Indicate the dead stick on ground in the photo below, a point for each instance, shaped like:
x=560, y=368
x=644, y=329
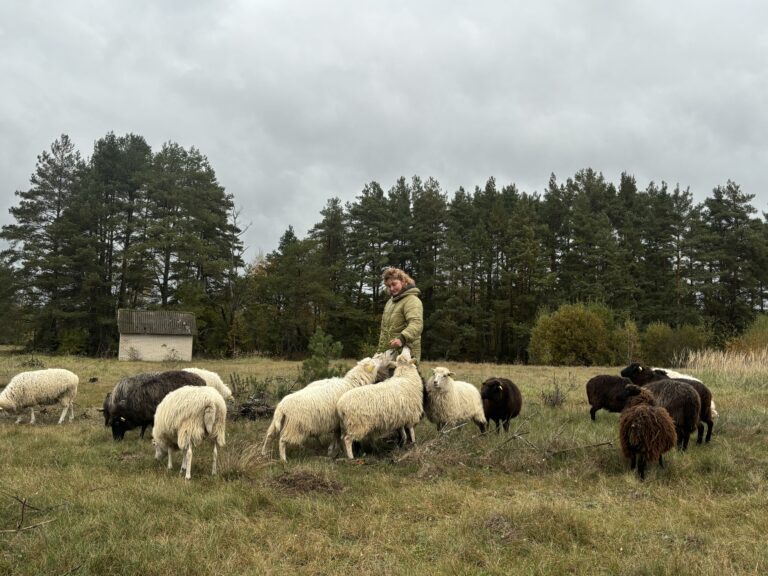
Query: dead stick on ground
x=554, y=452
x=27, y=527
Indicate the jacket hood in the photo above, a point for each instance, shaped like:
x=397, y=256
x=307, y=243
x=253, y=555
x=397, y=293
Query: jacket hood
x=407, y=291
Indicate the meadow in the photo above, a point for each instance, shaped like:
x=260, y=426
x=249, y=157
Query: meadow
x=554, y=496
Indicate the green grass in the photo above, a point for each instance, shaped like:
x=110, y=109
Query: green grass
x=551, y=497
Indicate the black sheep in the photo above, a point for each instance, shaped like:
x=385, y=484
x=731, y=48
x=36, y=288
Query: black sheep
x=502, y=401
x=604, y=392
x=646, y=431
x=683, y=404
x=135, y=398
x=642, y=375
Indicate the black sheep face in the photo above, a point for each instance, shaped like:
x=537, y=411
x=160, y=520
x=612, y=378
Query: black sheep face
x=492, y=390
x=121, y=425
x=629, y=391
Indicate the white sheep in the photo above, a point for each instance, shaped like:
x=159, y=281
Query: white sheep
x=311, y=411
x=184, y=418
x=452, y=401
x=674, y=375
x=395, y=404
x=213, y=380
x=40, y=388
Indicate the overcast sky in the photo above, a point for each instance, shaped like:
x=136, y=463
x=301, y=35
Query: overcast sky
x=296, y=102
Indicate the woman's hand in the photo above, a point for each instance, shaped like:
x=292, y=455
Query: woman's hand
x=395, y=343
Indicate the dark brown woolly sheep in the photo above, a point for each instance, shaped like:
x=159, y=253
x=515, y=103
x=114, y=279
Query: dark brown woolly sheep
x=642, y=375
x=502, y=401
x=683, y=404
x=646, y=431
x=603, y=392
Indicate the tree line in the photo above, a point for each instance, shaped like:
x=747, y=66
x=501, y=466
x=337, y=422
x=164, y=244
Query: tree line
x=133, y=228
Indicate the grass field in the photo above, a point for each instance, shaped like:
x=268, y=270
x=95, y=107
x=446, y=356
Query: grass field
x=554, y=496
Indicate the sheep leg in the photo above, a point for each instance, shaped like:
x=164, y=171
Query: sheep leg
x=699, y=432
x=481, y=425
x=64, y=413
x=189, y=462
x=215, y=459
x=412, y=434
x=592, y=412
x=71, y=411
x=661, y=460
x=143, y=429
x=348, y=446
x=633, y=462
x=281, y=448
x=710, y=425
x=32, y=418
x=506, y=425
x=404, y=436
x=641, y=467
x=18, y=420
x=498, y=426
x=170, y=459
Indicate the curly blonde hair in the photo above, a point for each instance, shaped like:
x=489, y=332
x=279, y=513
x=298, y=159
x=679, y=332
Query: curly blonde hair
x=397, y=274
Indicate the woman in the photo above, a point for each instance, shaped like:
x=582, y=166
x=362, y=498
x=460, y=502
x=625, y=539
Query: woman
x=403, y=317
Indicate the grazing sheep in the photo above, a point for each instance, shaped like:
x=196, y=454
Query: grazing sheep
x=502, y=401
x=40, y=388
x=396, y=403
x=453, y=401
x=311, y=411
x=604, y=392
x=642, y=375
x=683, y=404
x=646, y=431
x=214, y=381
x=135, y=398
x=184, y=418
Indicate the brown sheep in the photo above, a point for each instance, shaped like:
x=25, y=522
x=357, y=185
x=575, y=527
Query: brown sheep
x=603, y=393
x=502, y=401
x=646, y=431
x=642, y=375
x=683, y=404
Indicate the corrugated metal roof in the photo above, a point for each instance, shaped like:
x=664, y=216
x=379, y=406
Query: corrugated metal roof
x=156, y=322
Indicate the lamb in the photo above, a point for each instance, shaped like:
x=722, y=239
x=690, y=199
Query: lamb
x=184, y=418
x=641, y=375
x=135, y=398
x=311, y=411
x=453, y=401
x=502, y=401
x=41, y=388
x=396, y=403
x=604, y=392
x=214, y=381
x=646, y=431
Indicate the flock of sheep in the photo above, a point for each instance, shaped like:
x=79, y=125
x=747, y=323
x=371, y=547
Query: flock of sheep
x=659, y=408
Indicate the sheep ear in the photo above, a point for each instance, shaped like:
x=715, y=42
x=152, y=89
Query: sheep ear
x=451, y=374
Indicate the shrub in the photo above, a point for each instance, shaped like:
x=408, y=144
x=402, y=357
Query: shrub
x=322, y=349
x=754, y=338
x=572, y=335
x=665, y=346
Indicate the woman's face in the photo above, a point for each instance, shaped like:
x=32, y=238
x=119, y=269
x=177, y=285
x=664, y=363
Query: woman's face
x=394, y=285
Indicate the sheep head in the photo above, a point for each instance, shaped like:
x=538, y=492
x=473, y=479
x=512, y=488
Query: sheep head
x=634, y=395
x=440, y=378
x=492, y=389
x=638, y=373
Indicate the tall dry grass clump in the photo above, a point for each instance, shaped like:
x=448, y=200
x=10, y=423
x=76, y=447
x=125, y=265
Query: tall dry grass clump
x=747, y=368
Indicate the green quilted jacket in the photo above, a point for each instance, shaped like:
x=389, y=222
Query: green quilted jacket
x=403, y=318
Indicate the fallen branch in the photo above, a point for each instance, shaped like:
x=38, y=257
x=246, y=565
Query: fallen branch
x=27, y=527
x=555, y=452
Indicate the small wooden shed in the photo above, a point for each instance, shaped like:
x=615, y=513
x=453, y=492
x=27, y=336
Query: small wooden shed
x=155, y=335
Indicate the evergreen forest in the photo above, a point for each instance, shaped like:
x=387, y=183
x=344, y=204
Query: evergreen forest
x=500, y=269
